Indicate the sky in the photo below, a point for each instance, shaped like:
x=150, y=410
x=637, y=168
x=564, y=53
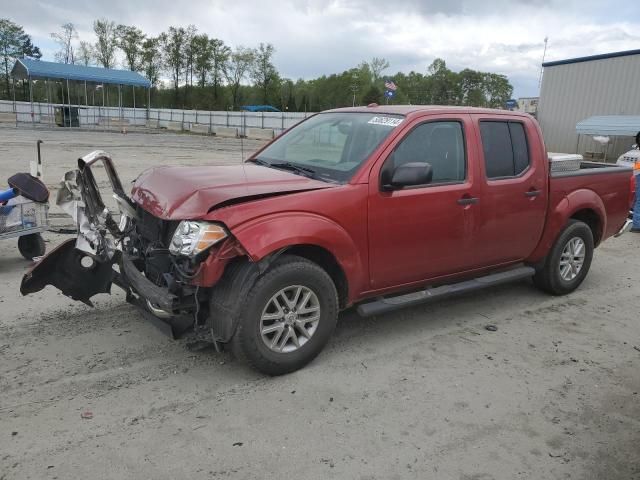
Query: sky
x=317, y=37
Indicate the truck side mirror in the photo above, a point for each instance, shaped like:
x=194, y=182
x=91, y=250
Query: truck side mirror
x=410, y=175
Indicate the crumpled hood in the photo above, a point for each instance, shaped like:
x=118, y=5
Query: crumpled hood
x=181, y=192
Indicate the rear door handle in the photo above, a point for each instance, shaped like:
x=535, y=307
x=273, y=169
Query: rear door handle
x=467, y=201
x=532, y=193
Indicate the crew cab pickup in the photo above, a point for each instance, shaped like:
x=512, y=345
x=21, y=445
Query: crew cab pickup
x=379, y=207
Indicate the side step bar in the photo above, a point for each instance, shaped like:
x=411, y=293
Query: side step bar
x=389, y=304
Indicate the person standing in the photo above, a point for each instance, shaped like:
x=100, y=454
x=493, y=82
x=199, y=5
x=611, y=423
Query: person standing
x=636, y=207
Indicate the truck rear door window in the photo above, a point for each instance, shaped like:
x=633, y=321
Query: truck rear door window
x=505, y=149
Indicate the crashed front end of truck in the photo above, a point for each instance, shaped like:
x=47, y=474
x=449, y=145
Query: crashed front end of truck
x=164, y=266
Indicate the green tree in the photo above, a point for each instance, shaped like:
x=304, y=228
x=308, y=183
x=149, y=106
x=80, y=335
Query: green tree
x=471, y=88
x=202, y=57
x=130, y=40
x=373, y=95
x=287, y=95
x=220, y=53
x=65, y=38
x=237, y=68
x=85, y=53
x=151, y=60
x=441, y=83
x=14, y=43
x=263, y=71
x=377, y=66
x=173, y=45
x=498, y=90
x=105, y=47
x=189, y=52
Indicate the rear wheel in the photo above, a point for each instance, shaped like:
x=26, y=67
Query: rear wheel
x=569, y=261
x=31, y=246
x=288, y=316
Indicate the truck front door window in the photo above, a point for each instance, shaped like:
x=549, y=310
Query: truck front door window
x=440, y=144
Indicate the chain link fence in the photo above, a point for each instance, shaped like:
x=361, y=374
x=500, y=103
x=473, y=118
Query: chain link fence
x=228, y=123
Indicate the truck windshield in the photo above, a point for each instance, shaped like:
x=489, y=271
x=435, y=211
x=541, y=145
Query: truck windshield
x=329, y=146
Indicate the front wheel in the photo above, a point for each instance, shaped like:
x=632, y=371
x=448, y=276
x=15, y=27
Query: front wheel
x=288, y=316
x=569, y=260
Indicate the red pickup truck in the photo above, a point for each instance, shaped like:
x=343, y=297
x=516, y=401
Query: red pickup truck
x=380, y=207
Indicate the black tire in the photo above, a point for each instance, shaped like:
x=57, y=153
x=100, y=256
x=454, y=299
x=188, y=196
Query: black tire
x=286, y=271
x=31, y=246
x=548, y=277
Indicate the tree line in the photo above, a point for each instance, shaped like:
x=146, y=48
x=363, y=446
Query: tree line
x=193, y=70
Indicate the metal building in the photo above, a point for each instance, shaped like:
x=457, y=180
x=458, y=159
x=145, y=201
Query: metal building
x=574, y=90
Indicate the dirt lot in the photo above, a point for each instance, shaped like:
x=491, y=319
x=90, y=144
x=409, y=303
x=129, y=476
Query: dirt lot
x=424, y=393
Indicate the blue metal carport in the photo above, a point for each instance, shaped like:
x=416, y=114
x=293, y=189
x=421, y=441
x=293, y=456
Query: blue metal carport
x=29, y=69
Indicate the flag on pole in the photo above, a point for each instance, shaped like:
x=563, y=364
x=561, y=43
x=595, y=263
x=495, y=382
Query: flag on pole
x=389, y=85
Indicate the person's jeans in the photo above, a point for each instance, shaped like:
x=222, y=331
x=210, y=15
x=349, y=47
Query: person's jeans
x=636, y=206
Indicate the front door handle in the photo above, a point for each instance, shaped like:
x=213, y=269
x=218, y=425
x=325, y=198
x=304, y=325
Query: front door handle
x=467, y=200
x=532, y=193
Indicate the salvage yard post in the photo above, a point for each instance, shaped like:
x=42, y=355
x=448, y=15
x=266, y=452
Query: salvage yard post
x=69, y=103
x=13, y=82
x=103, y=123
x=49, y=99
x=31, y=100
x=120, y=104
x=133, y=87
x=86, y=102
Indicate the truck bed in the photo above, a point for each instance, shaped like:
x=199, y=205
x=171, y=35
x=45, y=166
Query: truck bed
x=610, y=182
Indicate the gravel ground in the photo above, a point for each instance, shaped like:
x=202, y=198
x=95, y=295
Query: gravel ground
x=427, y=392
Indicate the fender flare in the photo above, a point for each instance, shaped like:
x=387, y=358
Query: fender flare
x=267, y=235
x=581, y=199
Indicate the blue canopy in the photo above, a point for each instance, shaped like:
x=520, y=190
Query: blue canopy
x=259, y=108
x=28, y=68
x=623, y=125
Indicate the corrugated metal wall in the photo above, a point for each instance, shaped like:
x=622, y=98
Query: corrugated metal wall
x=575, y=91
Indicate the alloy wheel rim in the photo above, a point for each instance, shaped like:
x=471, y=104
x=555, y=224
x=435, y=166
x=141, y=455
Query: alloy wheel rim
x=572, y=259
x=290, y=318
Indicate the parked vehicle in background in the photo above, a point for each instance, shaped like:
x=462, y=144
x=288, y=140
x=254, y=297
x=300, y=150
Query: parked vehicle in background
x=382, y=207
x=631, y=158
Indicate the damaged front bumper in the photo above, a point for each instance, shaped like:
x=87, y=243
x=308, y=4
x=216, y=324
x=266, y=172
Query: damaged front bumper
x=83, y=267
x=88, y=265
x=78, y=277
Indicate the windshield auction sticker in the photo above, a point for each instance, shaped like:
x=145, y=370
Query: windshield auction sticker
x=386, y=121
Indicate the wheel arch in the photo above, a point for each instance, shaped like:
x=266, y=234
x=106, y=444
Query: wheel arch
x=328, y=262
x=311, y=236
x=582, y=204
x=593, y=221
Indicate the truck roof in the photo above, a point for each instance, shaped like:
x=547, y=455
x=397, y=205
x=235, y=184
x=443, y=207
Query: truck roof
x=411, y=110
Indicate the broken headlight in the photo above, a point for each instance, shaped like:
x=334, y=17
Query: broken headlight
x=192, y=238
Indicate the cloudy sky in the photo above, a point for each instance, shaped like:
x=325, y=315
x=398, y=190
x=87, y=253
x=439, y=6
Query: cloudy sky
x=315, y=37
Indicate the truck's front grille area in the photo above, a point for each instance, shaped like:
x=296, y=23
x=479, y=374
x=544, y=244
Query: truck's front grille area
x=155, y=230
